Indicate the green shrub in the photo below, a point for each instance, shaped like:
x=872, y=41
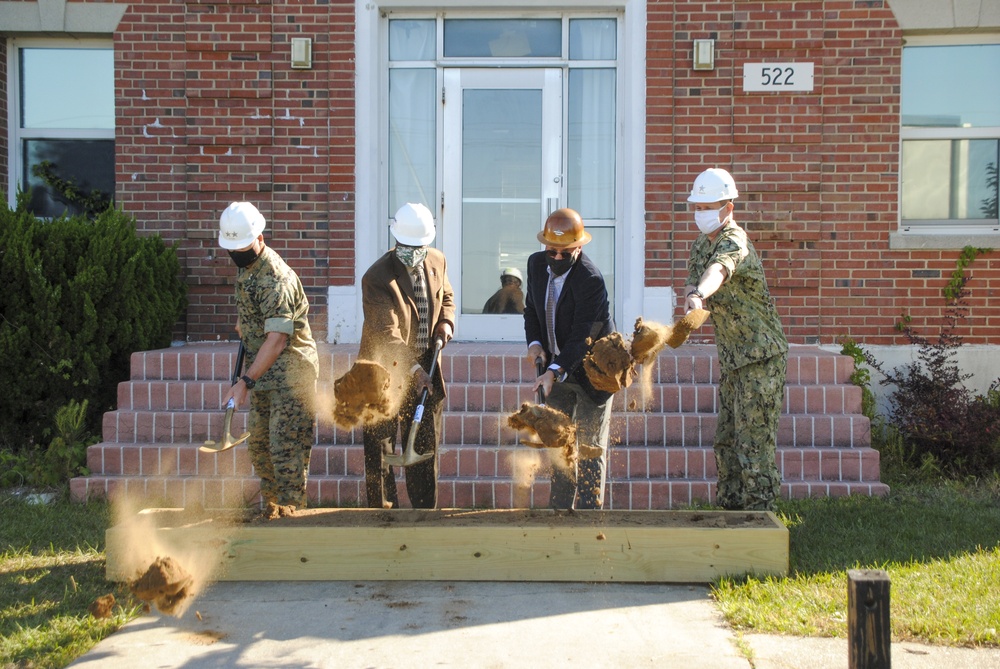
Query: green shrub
x=944, y=428
x=79, y=297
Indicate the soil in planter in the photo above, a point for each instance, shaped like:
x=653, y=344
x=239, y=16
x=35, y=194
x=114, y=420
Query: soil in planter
x=598, y=519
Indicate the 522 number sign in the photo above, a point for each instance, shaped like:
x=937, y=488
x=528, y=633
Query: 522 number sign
x=777, y=77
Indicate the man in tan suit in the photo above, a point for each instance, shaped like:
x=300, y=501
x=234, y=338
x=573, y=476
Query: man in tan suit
x=408, y=303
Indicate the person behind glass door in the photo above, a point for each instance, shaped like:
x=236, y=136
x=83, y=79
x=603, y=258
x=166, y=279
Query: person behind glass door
x=509, y=299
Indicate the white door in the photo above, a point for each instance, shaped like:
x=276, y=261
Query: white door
x=502, y=168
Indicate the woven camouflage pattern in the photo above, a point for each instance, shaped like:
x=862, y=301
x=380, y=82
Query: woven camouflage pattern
x=747, y=327
x=750, y=399
x=280, y=444
x=270, y=298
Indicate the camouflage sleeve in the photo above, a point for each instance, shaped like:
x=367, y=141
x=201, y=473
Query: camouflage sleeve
x=278, y=307
x=729, y=251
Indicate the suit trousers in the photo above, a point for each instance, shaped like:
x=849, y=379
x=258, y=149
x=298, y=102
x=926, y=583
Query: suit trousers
x=582, y=485
x=380, y=438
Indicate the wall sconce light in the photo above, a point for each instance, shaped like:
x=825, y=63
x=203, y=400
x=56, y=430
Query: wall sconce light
x=704, y=54
x=302, y=56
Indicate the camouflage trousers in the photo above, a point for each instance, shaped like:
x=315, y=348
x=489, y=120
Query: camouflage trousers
x=750, y=401
x=281, y=423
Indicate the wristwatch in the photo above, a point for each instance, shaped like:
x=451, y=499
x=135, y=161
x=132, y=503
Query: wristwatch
x=247, y=380
x=696, y=293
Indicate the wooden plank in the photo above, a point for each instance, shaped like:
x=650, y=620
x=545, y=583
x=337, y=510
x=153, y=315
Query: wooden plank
x=637, y=547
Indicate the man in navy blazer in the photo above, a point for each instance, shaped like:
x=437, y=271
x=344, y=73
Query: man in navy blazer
x=563, y=275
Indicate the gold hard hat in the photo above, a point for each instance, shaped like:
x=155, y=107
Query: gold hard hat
x=563, y=228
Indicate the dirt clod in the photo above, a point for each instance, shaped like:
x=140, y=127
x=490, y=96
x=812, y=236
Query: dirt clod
x=551, y=426
x=166, y=584
x=362, y=395
x=648, y=340
x=609, y=365
x=692, y=320
x=101, y=607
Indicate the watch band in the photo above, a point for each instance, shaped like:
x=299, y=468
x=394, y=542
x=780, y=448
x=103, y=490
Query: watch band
x=696, y=293
x=250, y=383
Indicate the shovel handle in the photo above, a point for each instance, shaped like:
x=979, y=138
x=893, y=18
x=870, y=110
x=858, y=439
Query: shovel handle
x=238, y=368
x=540, y=369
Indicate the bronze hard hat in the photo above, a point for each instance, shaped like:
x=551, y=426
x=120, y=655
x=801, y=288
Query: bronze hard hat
x=563, y=228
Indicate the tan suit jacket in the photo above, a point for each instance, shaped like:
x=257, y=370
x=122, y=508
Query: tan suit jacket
x=390, y=310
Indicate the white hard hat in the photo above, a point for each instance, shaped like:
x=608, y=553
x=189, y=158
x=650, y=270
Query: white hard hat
x=239, y=225
x=512, y=271
x=713, y=185
x=413, y=225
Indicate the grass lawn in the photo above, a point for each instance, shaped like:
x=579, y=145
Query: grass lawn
x=939, y=544
x=51, y=569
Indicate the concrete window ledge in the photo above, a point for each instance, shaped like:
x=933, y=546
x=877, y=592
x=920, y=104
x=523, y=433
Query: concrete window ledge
x=911, y=240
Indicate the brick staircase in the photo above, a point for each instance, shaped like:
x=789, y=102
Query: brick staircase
x=660, y=458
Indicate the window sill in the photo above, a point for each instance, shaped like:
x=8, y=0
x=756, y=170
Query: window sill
x=918, y=240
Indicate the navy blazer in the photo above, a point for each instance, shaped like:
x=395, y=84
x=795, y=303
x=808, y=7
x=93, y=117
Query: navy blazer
x=581, y=313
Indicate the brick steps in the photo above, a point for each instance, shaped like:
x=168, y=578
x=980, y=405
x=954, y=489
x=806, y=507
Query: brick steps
x=660, y=458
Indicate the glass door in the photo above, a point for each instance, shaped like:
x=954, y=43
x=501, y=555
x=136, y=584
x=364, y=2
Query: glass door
x=502, y=168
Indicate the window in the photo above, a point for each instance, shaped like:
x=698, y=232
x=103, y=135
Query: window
x=950, y=138
x=64, y=129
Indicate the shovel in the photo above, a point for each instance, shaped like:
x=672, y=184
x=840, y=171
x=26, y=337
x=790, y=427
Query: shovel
x=227, y=438
x=410, y=455
x=534, y=441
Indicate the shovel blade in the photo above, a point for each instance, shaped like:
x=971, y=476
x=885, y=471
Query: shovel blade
x=227, y=436
x=406, y=458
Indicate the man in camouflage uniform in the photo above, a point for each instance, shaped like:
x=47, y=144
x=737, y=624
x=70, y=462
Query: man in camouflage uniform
x=282, y=364
x=726, y=277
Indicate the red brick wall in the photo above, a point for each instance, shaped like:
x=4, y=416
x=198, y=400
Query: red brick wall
x=210, y=111
x=817, y=171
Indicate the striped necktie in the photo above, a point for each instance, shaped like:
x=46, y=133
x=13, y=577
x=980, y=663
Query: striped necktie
x=423, y=308
x=550, y=316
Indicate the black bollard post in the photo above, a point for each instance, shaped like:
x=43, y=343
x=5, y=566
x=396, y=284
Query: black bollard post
x=869, y=635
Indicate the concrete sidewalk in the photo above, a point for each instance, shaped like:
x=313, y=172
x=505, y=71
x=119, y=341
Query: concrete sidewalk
x=409, y=624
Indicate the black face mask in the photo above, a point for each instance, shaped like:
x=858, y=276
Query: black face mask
x=244, y=259
x=560, y=266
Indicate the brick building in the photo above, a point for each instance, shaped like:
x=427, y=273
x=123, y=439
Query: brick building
x=863, y=135
x=199, y=103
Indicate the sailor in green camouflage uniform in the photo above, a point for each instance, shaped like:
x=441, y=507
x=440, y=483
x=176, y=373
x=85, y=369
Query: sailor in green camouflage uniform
x=282, y=364
x=726, y=277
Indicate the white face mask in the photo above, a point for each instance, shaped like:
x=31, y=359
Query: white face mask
x=708, y=220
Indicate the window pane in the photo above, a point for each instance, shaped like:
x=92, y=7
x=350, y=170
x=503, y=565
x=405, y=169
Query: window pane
x=592, y=39
x=67, y=88
x=590, y=171
x=951, y=86
x=502, y=38
x=412, y=137
x=411, y=40
x=501, y=187
x=88, y=164
x=601, y=250
x=949, y=179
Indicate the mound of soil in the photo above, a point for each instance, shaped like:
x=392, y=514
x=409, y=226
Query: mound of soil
x=102, y=606
x=520, y=518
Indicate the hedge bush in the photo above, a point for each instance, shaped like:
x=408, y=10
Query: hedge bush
x=77, y=298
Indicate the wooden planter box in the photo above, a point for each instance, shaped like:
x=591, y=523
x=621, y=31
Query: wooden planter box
x=459, y=545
